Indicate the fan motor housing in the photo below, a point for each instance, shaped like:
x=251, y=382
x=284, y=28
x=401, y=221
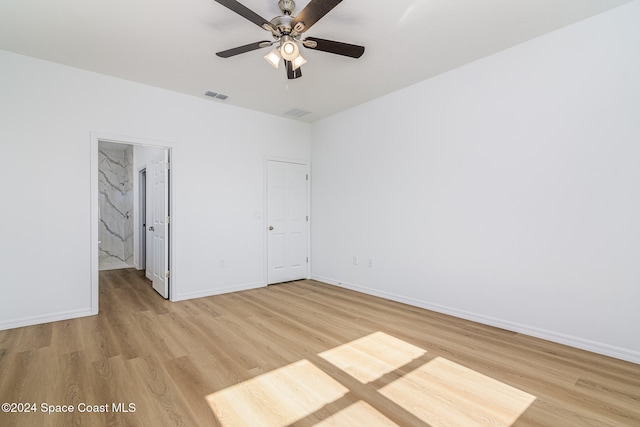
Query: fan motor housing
x=282, y=24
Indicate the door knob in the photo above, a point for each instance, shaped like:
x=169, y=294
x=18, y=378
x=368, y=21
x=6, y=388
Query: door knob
x=151, y=228
x=270, y=228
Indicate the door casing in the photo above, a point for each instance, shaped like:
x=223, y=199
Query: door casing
x=142, y=219
x=95, y=138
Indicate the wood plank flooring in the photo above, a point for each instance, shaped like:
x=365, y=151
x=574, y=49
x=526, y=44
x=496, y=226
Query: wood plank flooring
x=301, y=353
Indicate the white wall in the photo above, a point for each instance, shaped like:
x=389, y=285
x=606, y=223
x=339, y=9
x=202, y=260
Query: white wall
x=505, y=191
x=48, y=113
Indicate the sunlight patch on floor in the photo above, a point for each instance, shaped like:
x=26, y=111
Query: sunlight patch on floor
x=443, y=393
x=438, y=391
x=372, y=356
x=277, y=398
x=357, y=414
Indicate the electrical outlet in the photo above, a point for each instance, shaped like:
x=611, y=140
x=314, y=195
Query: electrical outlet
x=370, y=262
x=222, y=264
x=355, y=260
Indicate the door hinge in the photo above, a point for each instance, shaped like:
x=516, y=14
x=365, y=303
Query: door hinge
x=168, y=219
x=307, y=218
x=167, y=274
x=168, y=165
x=307, y=260
x=307, y=177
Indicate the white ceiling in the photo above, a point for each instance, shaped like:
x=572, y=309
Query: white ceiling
x=172, y=43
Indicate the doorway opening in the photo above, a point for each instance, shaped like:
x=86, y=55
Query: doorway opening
x=130, y=210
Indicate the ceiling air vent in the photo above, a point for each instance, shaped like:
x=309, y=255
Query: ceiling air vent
x=216, y=95
x=296, y=112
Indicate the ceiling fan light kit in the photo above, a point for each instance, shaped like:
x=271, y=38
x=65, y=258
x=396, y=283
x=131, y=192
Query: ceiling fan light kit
x=287, y=31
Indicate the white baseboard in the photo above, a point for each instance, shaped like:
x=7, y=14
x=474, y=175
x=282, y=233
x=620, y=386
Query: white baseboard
x=46, y=318
x=581, y=343
x=217, y=291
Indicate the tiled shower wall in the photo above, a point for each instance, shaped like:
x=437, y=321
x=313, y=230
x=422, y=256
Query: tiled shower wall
x=115, y=186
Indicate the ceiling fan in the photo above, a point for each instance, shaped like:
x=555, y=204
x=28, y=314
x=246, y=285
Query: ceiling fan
x=287, y=31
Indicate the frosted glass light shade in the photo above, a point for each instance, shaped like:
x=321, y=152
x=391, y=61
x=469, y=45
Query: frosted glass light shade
x=298, y=62
x=289, y=50
x=273, y=57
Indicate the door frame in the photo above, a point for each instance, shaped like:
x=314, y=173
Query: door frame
x=142, y=219
x=265, y=224
x=95, y=139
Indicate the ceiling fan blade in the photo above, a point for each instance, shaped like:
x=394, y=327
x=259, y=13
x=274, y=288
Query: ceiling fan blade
x=241, y=49
x=291, y=73
x=247, y=13
x=339, y=48
x=312, y=13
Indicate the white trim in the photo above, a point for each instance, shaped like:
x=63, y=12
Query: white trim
x=136, y=219
x=38, y=320
x=141, y=234
x=96, y=137
x=576, y=342
x=219, y=291
x=93, y=242
x=265, y=225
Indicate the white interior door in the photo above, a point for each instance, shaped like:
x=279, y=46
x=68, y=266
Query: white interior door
x=160, y=223
x=287, y=221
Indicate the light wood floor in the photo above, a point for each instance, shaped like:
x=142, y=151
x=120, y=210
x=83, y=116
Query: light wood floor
x=302, y=353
